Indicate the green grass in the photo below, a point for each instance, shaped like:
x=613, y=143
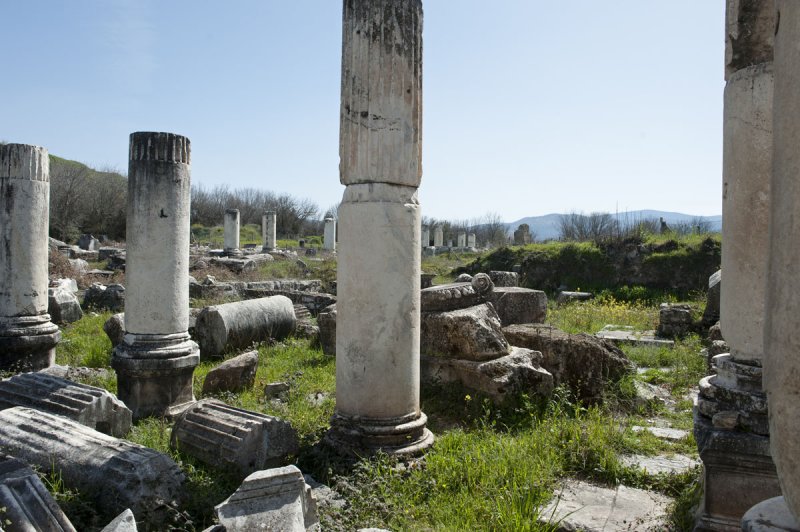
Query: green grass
x=444, y=264
x=492, y=467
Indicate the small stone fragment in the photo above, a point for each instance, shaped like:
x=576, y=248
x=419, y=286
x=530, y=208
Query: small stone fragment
x=114, y=328
x=124, y=522
x=233, y=375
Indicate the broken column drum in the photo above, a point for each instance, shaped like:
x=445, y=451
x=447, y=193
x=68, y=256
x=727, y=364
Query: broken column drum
x=782, y=353
x=378, y=327
x=27, y=336
x=230, y=242
x=731, y=426
x=268, y=224
x=329, y=241
x=156, y=359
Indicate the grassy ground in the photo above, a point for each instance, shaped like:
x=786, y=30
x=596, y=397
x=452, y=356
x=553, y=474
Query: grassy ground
x=491, y=468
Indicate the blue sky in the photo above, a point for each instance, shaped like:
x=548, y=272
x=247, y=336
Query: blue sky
x=530, y=106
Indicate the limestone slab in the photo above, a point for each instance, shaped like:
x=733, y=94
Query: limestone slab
x=627, y=335
x=519, y=305
x=472, y=333
x=580, y=506
x=655, y=465
x=772, y=515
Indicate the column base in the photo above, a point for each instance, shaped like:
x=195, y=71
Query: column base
x=28, y=343
x=772, y=515
x=738, y=473
x=155, y=373
x=402, y=436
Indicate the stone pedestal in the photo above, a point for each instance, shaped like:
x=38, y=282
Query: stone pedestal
x=329, y=238
x=268, y=224
x=438, y=237
x=230, y=236
x=27, y=336
x=378, y=322
x=156, y=359
x=782, y=359
x=731, y=412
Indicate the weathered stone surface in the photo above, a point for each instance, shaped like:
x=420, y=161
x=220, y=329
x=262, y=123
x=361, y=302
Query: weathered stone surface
x=294, y=285
x=79, y=266
x=665, y=433
x=313, y=301
x=231, y=232
x=711, y=312
x=457, y=295
x=70, y=285
x=88, y=242
x=506, y=279
x=329, y=236
x=209, y=288
x=26, y=503
x=582, y=362
x=472, y=333
x=580, y=506
x=656, y=465
x=327, y=330
x=269, y=222
x=27, y=336
x=114, y=474
x=463, y=278
x=227, y=437
x=426, y=280
x=519, y=305
x=124, y=522
x=627, y=335
x=738, y=473
x=674, y=320
x=749, y=34
x=63, y=306
x=568, y=297
x=274, y=499
x=506, y=376
x=772, y=515
x=233, y=375
x=114, y=327
x=235, y=264
x=101, y=297
x=522, y=235
x=94, y=407
x=782, y=344
x=240, y=324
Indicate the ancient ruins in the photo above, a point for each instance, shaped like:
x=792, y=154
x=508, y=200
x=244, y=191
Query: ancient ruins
x=484, y=346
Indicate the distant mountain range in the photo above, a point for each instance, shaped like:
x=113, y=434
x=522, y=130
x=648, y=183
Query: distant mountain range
x=547, y=226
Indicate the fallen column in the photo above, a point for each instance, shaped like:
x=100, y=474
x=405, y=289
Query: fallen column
x=239, y=324
x=27, y=336
x=156, y=359
x=377, y=341
x=226, y=437
x=114, y=474
x=94, y=407
x=26, y=503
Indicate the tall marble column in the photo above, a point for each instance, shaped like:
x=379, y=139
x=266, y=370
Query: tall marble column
x=782, y=359
x=230, y=235
x=27, y=336
x=471, y=240
x=329, y=238
x=156, y=360
x=426, y=236
x=378, y=329
x=268, y=224
x=731, y=424
x=462, y=240
x=438, y=237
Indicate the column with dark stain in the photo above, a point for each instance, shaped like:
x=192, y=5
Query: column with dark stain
x=378, y=280
x=27, y=336
x=155, y=362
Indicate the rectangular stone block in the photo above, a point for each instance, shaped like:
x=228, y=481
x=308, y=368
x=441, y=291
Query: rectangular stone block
x=94, y=407
x=226, y=437
x=519, y=305
x=274, y=499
